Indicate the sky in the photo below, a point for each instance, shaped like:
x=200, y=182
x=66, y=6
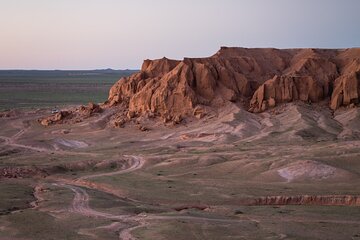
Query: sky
x=120, y=34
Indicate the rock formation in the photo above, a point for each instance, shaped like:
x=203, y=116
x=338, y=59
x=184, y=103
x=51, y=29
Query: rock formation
x=72, y=116
x=60, y=116
x=257, y=79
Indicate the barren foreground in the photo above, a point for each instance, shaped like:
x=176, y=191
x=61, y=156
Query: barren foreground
x=289, y=174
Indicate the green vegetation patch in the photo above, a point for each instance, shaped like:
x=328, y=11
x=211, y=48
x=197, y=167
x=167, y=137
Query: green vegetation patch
x=34, y=89
x=14, y=196
x=32, y=224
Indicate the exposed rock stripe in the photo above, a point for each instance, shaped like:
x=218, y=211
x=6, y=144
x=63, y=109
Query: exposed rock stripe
x=326, y=200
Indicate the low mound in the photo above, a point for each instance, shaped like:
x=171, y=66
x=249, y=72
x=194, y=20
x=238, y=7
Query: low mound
x=257, y=79
x=308, y=170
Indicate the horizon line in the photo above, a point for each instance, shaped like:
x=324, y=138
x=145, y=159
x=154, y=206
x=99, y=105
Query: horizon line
x=43, y=69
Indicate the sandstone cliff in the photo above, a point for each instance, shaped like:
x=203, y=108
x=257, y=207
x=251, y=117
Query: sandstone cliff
x=257, y=79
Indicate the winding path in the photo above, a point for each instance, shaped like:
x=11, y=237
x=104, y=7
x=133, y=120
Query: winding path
x=80, y=204
x=134, y=163
x=11, y=141
x=128, y=223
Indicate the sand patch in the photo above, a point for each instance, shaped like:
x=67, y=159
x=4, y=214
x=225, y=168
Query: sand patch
x=60, y=143
x=310, y=170
x=305, y=171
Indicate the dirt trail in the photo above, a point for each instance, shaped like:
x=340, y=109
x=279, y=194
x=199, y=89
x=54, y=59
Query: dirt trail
x=11, y=141
x=128, y=223
x=80, y=204
x=135, y=163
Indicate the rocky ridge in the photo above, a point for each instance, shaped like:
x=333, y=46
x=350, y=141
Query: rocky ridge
x=258, y=79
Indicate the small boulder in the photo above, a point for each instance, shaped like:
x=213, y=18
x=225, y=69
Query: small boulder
x=199, y=112
x=271, y=102
x=131, y=114
x=143, y=128
x=177, y=119
x=119, y=123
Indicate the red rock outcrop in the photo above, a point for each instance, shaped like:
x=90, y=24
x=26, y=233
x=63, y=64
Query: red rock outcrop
x=60, y=116
x=19, y=172
x=347, y=87
x=71, y=116
x=308, y=78
x=326, y=200
x=287, y=89
x=256, y=78
x=90, y=109
x=346, y=91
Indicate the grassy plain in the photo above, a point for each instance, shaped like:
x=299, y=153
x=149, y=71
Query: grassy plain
x=39, y=89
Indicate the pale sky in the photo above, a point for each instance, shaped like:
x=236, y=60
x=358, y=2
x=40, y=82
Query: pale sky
x=119, y=34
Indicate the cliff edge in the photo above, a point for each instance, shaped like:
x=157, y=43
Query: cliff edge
x=258, y=79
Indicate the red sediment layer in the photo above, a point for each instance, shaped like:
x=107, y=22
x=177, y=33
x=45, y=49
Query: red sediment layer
x=326, y=200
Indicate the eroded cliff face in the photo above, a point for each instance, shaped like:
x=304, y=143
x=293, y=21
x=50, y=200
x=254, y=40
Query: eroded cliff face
x=258, y=79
